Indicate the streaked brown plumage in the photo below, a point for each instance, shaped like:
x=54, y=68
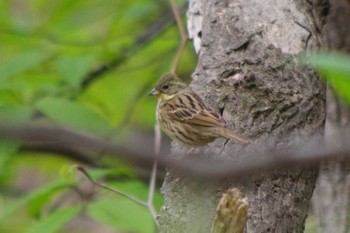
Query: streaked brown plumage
x=184, y=117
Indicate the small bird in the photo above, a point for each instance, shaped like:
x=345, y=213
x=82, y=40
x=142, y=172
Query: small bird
x=184, y=116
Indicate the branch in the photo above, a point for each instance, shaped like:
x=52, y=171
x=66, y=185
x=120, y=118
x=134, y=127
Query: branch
x=207, y=167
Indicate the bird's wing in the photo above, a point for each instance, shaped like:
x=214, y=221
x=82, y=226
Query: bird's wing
x=189, y=108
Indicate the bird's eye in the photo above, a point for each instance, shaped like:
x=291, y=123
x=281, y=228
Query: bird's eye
x=165, y=86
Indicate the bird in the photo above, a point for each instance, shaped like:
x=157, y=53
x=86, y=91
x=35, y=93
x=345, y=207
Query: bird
x=185, y=117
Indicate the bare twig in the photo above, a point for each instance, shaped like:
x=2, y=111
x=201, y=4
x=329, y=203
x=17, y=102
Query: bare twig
x=157, y=145
x=121, y=193
x=183, y=34
x=157, y=139
x=151, y=190
x=152, y=182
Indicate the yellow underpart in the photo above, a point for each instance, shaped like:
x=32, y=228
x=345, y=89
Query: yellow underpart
x=166, y=97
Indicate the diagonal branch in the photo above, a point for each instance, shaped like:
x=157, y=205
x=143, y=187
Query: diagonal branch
x=140, y=41
x=123, y=194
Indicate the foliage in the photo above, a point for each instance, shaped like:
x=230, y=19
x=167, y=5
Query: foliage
x=48, y=49
x=335, y=69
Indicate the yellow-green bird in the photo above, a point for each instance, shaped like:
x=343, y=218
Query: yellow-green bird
x=184, y=116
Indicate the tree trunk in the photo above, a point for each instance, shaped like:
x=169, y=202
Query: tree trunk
x=247, y=72
x=331, y=198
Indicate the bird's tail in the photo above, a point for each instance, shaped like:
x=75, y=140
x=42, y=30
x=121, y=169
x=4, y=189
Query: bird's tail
x=226, y=133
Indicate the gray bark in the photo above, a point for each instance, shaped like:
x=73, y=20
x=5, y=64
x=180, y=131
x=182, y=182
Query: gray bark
x=331, y=198
x=247, y=72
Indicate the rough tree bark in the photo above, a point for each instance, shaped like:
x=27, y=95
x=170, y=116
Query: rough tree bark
x=331, y=198
x=247, y=72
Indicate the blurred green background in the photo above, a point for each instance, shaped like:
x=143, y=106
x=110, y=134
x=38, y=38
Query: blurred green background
x=89, y=65
x=49, y=49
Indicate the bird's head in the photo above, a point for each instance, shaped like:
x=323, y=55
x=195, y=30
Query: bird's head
x=168, y=86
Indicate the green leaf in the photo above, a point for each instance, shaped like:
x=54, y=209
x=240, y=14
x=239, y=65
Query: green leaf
x=75, y=115
x=55, y=220
x=41, y=194
x=20, y=63
x=73, y=69
x=335, y=68
x=122, y=214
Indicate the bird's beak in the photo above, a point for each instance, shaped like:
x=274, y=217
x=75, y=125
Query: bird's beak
x=154, y=92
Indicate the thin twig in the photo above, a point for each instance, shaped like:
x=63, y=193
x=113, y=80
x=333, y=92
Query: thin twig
x=152, y=182
x=157, y=139
x=121, y=193
x=183, y=34
x=177, y=16
x=151, y=190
